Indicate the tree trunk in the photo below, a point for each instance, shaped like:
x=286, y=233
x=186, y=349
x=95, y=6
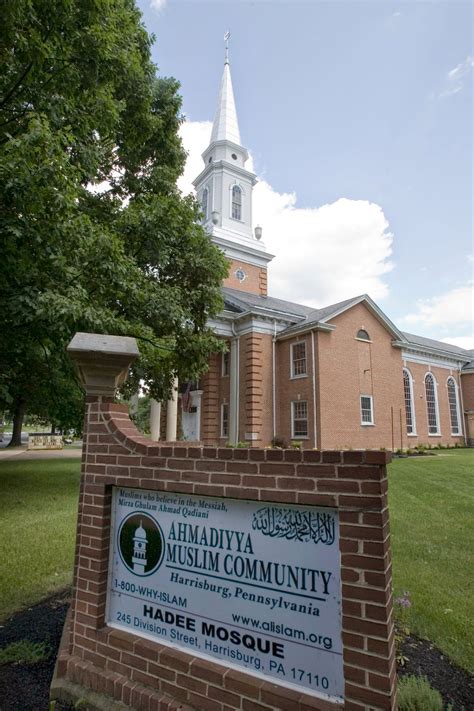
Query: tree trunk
x=18, y=416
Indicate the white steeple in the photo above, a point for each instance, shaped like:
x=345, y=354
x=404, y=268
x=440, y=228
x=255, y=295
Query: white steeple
x=225, y=126
x=224, y=187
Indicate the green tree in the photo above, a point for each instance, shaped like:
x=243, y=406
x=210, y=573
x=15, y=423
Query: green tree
x=81, y=106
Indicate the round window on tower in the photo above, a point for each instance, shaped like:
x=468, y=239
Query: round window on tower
x=234, y=156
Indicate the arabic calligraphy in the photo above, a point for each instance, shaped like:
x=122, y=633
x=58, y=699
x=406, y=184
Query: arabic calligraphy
x=304, y=526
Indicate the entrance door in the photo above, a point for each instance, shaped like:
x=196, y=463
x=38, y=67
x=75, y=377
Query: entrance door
x=191, y=419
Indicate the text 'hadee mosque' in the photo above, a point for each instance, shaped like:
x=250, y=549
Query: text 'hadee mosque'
x=343, y=376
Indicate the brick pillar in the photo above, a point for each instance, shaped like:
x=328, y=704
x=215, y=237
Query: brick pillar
x=263, y=282
x=210, y=415
x=102, y=363
x=256, y=389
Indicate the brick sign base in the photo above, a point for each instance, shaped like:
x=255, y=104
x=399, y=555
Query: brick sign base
x=111, y=668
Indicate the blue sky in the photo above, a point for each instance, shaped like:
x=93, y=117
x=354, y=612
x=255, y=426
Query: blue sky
x=358, y=116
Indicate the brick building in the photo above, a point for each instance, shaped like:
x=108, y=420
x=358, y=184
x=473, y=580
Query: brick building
x=339, y=377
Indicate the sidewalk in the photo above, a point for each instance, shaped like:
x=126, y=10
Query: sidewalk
x=22, y=453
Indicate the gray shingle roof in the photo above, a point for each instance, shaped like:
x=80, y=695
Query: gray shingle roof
x=246, y=300
x=318, y=315
x=439, y=345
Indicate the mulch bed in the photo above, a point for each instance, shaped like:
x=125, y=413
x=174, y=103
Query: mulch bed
x=25, y=687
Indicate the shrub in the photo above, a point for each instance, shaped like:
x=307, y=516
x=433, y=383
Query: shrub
x=279, y=443
x=416, y=694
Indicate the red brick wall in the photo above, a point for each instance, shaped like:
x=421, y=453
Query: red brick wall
x=210, y=403
x=289, y=389
x=467, y=384
x=255, y=388
x=148, y=676
x=349, y=368
x=254, y=283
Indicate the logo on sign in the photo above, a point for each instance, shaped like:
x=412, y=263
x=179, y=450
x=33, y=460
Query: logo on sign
x=141, y=544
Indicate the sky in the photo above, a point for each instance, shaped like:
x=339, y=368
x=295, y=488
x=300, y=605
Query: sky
x=358, y=118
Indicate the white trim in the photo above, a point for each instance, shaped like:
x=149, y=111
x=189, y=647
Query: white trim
x=435, y=390
x=376, y=311
x=223, y=354
x=222, y=435
x=314, y=391
x=430, y=359
x=233, y=185
x=413, y=433
x=234, y=247
x=459, y=433
x=293, y=376
x=293, y=435
x=372, y=418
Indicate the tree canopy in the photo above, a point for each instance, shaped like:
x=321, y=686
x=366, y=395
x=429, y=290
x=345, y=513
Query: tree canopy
x=95, y=235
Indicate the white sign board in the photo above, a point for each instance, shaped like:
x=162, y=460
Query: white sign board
x=252, y=585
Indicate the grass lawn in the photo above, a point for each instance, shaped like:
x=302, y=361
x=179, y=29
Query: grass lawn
x=432, y=520
x=38, y=510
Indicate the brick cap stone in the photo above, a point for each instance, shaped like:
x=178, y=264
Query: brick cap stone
x=102, y=361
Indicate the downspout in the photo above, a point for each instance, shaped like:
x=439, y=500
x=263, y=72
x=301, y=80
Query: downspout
x=314, y=391
x=461, y=415
x=273, y=379
x=237, y=383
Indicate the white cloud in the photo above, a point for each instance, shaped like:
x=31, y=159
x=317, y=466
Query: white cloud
x=157, y=4
x=323, y=254
x=456, y=76
x=466, y=342
x=454, y=307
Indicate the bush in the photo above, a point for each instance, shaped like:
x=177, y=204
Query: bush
x=415, y=694
x=279, y=443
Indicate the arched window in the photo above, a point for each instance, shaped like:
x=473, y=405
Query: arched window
x=453, y=405
x=409, y=402
x=363, y=335
x=236, y=203
x=431, y=404
x=205, y=203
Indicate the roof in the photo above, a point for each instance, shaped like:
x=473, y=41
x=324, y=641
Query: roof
x=438, y=345
x=245, y=301
x=301, y=317
x=321, y=315
x=225, y=126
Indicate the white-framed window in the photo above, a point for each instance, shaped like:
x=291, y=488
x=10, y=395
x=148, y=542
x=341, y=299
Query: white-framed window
x=236, y=203
x=453, y=402
x=205, y=203
x=432, y=411
x=299, y=419
x=409, y=402
x=224, y=419
x=225, y=364
x=362, y=335
x=298, y=359
x=366, y=410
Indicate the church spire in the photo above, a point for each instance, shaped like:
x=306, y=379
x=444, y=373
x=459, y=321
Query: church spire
x=225, y=126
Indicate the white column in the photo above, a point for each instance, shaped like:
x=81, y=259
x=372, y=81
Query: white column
x=196, y=396
x=234, y=392
x=172, y=414
x=134, y=404
x=155, y=418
